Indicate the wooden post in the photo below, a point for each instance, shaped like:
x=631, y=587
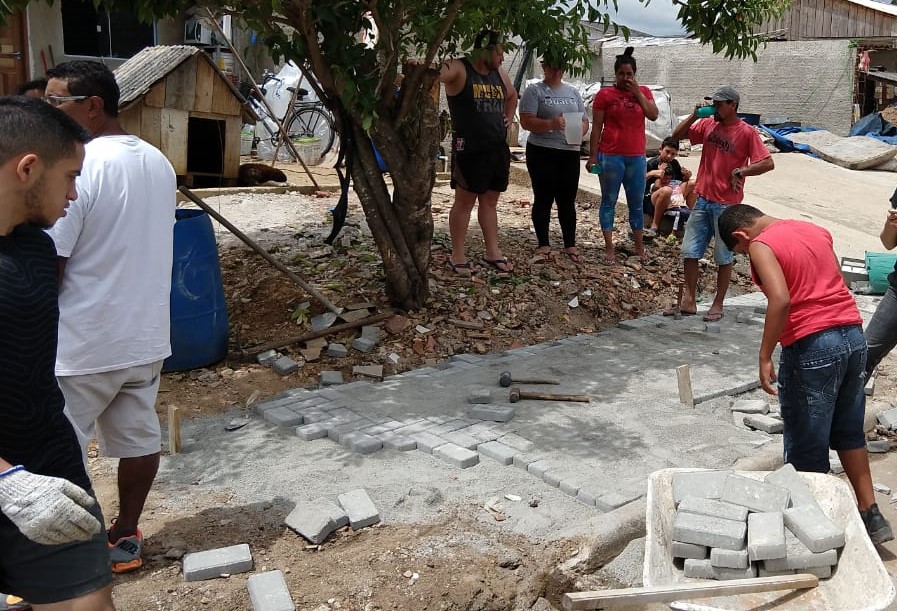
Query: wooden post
x=683, y=374
x=174, y=429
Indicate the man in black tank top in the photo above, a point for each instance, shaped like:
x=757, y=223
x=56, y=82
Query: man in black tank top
x=52, y=545
x=482, y=102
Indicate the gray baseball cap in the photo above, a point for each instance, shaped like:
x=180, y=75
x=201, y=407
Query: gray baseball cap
x=725, y=93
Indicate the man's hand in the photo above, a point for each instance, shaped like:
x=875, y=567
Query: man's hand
x=892, y=218
x=48, y=510
x=768, y=376
x=736, y=179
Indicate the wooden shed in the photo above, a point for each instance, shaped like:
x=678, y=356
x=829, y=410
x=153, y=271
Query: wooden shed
x=177, y=99
x=815, y=19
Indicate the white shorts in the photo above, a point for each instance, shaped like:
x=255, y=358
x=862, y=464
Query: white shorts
x=119, y=406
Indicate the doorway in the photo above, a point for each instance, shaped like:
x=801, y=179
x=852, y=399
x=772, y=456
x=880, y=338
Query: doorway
x=13, y=53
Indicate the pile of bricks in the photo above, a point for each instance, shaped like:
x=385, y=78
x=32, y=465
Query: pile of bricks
x=316, y=520
x=733, y=527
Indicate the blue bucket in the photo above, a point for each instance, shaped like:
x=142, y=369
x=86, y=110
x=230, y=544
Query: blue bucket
x=879, y=265
x=199, y=325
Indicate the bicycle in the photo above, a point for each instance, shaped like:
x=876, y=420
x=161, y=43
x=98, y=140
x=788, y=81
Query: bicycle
x=309, y=124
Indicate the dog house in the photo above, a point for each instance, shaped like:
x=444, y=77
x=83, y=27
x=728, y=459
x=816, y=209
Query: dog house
x=177, y=99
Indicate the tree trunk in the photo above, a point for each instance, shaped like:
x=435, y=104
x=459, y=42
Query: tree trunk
x=402, y=225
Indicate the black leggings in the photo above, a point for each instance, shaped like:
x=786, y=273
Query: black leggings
x=555, y=177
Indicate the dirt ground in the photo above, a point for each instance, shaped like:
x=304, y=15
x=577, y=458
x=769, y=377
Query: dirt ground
x=457, y=563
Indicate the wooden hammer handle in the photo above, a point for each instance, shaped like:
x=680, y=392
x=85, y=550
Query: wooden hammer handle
x=547, y=396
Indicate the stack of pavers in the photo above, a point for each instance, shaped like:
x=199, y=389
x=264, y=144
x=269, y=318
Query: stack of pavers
x=732, y=527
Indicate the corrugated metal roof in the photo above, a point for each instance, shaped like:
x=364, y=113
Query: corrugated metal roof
x=613, y=42
x=876, y=6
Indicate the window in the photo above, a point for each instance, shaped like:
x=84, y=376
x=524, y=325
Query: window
x=96, y=33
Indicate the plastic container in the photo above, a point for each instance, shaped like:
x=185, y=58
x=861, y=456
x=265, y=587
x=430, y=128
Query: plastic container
x=199, y=324
x=573, y=127
x=309, y=149
x=879, y=265
x=704, y=112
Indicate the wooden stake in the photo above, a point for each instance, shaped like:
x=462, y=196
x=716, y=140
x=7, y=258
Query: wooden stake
x=174, y=430
x=686, y=397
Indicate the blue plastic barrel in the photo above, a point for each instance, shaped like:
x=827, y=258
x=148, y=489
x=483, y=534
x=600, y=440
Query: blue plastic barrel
x=199, y=325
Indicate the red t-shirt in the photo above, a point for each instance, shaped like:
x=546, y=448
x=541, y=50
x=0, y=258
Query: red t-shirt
x=726, y=147
x=819, y=298
x=624, y=121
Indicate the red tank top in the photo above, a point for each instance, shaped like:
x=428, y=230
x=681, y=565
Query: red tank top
x=819, y=298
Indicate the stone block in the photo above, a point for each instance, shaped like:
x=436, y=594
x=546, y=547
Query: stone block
x=331, y=378
x=702, y=484
x=457, y=456
x=538, y=468
x=314, y=415
x=308, y=432
x=712, y=327
x=269, y=592
x=764, y=423
x=484, y=431
x=712, y=532
x=412, y=426
x=787, y=477
x=360, y=443
x=702, y=569
x=869, y=388
x=479, y=396
x=689, y=550
x=714, y=508
x=337, y=351
x=814, y=529
x=499, y=452
x=552, y=478
x=570, y=487
x=427, y=442
x=371, y=332
x=754, y=494
x=611, y=499
x=517, y=442
x=360, y=508
x=374, y=372
x=729, y=558
x=492, y=413
x=267, y=357
x=312, y=520
x=449, y=426
x=766, y=536
x=586, y=496
x=888, y=418
x=822, y=572
x=762, y=572
x=522, y=461
x=393, y=441
x=750, y=406
x=878, y=446
x=798, y=556
x=215, y=562
x=285, y=366
x=363, y=344
x=283, y=416
x=462, y=439
x=337, y=431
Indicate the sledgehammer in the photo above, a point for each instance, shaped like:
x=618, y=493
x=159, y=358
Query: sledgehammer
x=506, y=380
x=516, y=395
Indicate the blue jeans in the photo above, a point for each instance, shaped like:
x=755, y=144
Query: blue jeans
x=629, y=172
x=881, y=332
x=702, y=226
x=821, y=379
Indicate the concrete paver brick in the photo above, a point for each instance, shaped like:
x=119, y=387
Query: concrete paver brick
x=337, y=350
x=586, y=496
x=538, y=468
x=702, y=569
x=788, y=477
x=878, y=446
x=702, y=484
x=456, y=455
x=814, y=529
x=268, y=591
x=371, y=332
x=570, y=487
x=283, y=416
x=822, y=572
x=313, y=520
x=493, y=413
x=267, y=357
x=689, y=550
x=314, y=415
x=363, y=344
x=376, y=429
x=332, y=394
x=484, y=431
x=712, y=327
x=612, y=499
x=499, y=452
x=766, y=536
x=479, y=395
x=767, y=424
x=466, y=358
x=715, y=508
x=214, y=562
x=360, y=508
x=552, y=478
x=368, y=371
x=393, y=441
x=750, y=406
x=360, y=443
x=427, y=442
x=522, y=461
x=460, y=438
x=415, y=426
x=761, y=572
x=331, y=378
x=798, y=556
x=888, y=418
x=729, y=558
x=308, y=432
x=336, y=432
x=448, y=426
x=712, y=532
x=285, y=366
x=754, y=494
x=517, y=442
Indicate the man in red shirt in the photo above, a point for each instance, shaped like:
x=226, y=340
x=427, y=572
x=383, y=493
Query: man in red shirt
x=823, y=359
x=731, y=151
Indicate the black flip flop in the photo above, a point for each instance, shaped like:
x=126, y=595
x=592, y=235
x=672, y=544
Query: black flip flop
x=496, y=263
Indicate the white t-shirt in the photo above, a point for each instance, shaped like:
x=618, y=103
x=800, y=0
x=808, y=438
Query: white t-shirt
x=118, y=237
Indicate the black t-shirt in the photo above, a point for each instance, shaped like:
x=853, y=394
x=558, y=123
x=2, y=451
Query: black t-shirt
x=892, y=277
x=478, y=112
x=34, y=431
x=654, y=164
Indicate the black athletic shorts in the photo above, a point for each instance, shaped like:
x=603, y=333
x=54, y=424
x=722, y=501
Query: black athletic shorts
x=481, y=171
x=45, y=574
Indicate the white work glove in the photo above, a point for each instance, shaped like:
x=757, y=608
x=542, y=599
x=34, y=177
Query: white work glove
x=48, y=510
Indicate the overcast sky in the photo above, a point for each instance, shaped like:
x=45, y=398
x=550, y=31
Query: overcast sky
x=658, y=18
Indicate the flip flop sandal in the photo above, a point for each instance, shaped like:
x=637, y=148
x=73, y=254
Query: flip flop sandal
x=462, y=269
x=573, y=256
x=497, y=263
x=713, y=317
x=673, y=311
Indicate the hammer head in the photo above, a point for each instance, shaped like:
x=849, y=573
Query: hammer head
x=505, y=379
x=514, y=394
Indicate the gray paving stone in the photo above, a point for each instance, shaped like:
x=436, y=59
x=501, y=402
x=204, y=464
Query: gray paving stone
x=337, y=432
x=261, y=408
x=361, y=443
x=466, y=358
x=337, y=350
x=888, y=418
x=714, y=508
x=764, y=423
x=414, y=426
x=611, y=499
x=285, y=366
x=371, y=332
x=538, y=468
x=267, y=357
x=479, y=395
x=312, y=520
x=492, y=413
x=283, y=416
x=360, y=508
x=729, y=558
x=552, y=478
x=331, y=393
x=456, y=455
x=712, y=532
x=499, y=452
x=393, y=441
x=878, y=446
x=363, y=344
x=754, y=494
x=688, y=550
x=702, y=569
x=517, y=442
x=331, y=378
x=702, y=484
x=268, y=591
x=766, y=536
x=788, y=477
x=462, y=439
x=570, y=487
x=750, y=406
x=814, y=529
x=522, y=461
x=449, y=426
x=822, y=572
x=214, y=562
x=798, y=556
x=376, y=429
x=484, y=431
x=314, y=415
x=761, y=572
x=308, y=432
x=427, y=442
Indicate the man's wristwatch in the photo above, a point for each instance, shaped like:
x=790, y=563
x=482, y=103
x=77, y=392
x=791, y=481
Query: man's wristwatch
x=736, y=172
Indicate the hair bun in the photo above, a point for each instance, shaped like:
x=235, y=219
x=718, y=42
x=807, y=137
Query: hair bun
x=628, y=51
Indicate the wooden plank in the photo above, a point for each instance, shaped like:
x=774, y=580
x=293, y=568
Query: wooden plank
x=151, y=126
x=174, y=138
x=180, y=86
x=205, y=76
x=818, y=12
x=224, y=102
x=852, y=30
x=174, y=429
x=155, y=97
x=232, y=147
x=130, y=119
x=839, y=9
x=827, y=19
x=575, y=601
x=804, y=19
x=683, y=377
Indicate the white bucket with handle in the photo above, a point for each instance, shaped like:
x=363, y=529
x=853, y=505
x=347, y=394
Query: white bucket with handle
x=573, y=127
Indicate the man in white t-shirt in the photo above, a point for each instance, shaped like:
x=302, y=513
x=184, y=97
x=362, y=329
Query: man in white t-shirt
x=115, y=255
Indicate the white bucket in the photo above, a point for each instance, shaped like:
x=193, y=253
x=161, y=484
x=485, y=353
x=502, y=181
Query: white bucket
x=226, y=62
x=573, y=127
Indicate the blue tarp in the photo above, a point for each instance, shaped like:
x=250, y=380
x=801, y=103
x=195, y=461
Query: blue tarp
x=875, y=127
x=784, y=143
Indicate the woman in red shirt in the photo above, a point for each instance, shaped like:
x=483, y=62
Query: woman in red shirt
x=618, y=147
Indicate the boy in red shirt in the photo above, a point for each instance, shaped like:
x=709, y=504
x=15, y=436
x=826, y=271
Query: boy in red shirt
x=823, y=359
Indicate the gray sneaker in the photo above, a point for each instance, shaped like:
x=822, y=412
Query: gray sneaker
x=876, y=525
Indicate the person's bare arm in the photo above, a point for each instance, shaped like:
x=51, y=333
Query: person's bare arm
x=530, y=122
x=681, y=130
x=778, y=305
x=686, y=174
x=595, y=138
x=510, y=97
x=889, y=231
x=60, y=269
x=649, y=106
x=752, y=169
x=453, y=76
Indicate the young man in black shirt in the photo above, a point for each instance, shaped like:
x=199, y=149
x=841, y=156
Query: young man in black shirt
x=660, y=198
x=53, y=550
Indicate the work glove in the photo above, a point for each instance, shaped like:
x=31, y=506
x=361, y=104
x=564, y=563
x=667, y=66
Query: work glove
x=48, y=510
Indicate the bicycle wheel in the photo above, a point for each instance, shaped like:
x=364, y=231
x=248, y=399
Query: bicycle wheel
x=311, y=130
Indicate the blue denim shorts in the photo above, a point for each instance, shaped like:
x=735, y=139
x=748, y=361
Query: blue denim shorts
x=702, y=226
x=820, y=381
